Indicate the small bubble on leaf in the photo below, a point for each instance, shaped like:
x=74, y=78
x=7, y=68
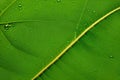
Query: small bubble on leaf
x=58, y=1
x=111, y=56
x=20, y=5
x=7, y=26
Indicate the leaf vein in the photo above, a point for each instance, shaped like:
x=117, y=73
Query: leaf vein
x=74, y=41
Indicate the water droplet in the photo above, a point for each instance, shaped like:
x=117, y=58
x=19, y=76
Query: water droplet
x=20, y=6
x=7, y=26
x=58, y=1
x=111, y=56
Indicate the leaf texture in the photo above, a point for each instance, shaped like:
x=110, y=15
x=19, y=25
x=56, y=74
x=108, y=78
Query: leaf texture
x=33, y=33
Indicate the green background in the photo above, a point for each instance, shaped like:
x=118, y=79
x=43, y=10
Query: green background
x=34, y=32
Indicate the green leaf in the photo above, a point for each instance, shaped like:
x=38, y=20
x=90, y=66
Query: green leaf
x=34, y=32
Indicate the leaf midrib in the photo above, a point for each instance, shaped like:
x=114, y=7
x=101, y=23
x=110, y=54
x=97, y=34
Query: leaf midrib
x=76, y=40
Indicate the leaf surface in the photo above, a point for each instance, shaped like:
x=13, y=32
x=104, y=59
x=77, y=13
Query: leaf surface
x=33, y=33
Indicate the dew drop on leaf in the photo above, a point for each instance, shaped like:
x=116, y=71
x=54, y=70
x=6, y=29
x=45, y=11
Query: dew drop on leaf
x=20, y=6
x=58, y=1
x=111, y=56
x=7, y=26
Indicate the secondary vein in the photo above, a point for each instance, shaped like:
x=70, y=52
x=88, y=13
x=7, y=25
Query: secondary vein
x=7, y=7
